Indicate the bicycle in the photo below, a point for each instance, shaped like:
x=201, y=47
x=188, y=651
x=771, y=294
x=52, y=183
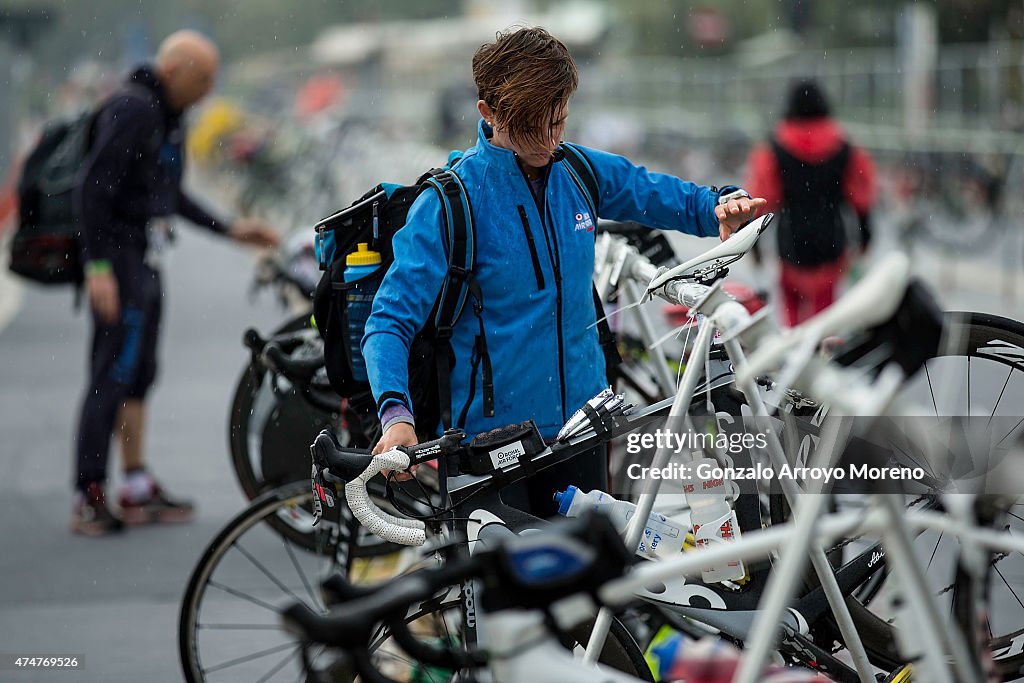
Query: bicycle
x=271, y=552
x=960, y=202
x=824, y=654
x=295, y=528
x=986, y=337
x=726, y=597
x=995, y=344
x=538, y=571
x=542, y=573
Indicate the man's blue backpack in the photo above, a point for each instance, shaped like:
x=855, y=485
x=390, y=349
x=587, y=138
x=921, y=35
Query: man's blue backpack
x=375, y=218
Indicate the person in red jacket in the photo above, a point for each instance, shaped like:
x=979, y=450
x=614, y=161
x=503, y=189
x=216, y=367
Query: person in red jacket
x=807, y=171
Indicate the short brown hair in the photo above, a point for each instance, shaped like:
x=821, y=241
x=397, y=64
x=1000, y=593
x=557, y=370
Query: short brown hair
x=524, y=76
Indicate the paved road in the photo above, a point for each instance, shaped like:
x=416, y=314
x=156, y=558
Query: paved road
x=115, y=600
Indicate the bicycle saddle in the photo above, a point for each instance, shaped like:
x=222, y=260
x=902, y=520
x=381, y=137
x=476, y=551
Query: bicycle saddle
x=713, y=261
x=298, y=370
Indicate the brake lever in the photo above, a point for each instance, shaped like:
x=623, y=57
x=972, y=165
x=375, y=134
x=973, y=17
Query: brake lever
x=255, y=343
x=321, y=481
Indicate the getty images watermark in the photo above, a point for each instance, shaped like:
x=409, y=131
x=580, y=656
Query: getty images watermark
x=910, y=454
x=739, y=442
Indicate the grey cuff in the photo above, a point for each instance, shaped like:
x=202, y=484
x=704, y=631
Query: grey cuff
x=407, y=419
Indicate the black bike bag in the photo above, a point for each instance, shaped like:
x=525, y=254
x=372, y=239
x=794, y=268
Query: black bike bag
x=501, y=447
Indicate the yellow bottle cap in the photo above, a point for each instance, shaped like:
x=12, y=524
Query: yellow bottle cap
x=362, y=256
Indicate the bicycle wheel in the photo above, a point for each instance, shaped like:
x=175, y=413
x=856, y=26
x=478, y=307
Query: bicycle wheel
x=980, y=374
x=439, y=620
x=959, y=209
x=268, y=433
x=229, y=626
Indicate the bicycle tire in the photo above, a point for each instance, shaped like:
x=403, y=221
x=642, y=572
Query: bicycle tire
x=286, y=425
x=272, y=503
x=978, y=331
x=621, y=651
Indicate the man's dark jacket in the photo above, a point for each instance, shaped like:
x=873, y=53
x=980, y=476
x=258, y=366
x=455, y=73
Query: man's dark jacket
x=134, y=170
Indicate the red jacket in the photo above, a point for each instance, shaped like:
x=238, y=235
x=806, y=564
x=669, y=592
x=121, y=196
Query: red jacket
x=811, y=141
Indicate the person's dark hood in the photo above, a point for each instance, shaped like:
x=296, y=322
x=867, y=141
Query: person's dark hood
x=145, y=76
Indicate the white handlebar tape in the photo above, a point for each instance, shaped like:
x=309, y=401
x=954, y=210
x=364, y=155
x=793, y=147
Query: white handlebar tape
x=378, y=522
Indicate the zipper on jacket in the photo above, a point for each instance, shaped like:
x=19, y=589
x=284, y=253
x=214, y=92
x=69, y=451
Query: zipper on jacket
x=551, y=241
x=533, y=247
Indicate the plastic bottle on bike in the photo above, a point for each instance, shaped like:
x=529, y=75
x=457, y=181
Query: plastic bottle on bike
x=361, y=265
x=662, y=537
x=713, y=519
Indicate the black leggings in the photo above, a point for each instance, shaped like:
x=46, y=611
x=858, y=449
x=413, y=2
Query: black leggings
x=122, y=364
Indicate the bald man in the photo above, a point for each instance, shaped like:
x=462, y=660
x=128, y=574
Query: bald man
x=129, y=185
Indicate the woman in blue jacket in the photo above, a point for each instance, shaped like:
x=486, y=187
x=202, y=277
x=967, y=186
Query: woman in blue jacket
x=534, y=255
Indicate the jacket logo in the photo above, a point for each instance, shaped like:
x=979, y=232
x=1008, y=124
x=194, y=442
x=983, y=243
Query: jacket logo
x=584, y=222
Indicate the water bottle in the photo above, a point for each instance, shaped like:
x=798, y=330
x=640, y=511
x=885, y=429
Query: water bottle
x=662, y=537
x=713, y=519
x=360, y=265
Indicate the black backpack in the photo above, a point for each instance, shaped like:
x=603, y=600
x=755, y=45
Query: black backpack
x=811, y=230
x=375, y=218
x=45, y=247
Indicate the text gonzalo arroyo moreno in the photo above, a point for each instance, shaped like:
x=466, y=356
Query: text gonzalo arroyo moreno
x=735, y=443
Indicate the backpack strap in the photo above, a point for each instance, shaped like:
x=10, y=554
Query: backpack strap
x=605, y=336
x=459, y=233
x=459, y=284
x=582, y=173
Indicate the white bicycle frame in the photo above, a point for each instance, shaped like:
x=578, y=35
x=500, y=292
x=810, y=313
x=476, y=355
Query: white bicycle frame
x=608, y=263
x=873, y=300
x=732, y=318
x=937, y=649
x=521, y=649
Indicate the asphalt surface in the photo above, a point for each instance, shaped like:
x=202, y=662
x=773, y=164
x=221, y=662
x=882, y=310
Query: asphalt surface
x=114, y=601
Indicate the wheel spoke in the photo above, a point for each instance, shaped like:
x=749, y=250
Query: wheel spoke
x=244, y=596
x=931, y=389
x=934, y=550
x=907, y=455
x=238, y=627
x=249, y=658
x=280, y=665
x=1000, y=398
x=302, y=575
x=1019, y=423
x=263, y=570
x=1015, y=516
x=1012, y=592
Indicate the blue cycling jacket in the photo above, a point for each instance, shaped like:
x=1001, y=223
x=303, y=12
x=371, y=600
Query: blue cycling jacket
x=535, y=264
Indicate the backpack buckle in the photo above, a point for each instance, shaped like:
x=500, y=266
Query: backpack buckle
x=448, y=184
x=443, y=332
x=458, y=272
